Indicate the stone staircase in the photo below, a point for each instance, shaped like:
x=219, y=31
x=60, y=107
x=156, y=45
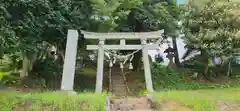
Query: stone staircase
x=119, y=87
x=131, y=104
x=123, y=100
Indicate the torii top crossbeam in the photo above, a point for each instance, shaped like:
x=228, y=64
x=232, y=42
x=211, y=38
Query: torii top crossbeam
x=123, y=35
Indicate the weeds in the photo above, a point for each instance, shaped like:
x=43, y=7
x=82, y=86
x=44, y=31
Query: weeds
x=52, y=101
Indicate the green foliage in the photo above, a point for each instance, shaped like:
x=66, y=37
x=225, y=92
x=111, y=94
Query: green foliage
x=7, y=41
x=108, y=12
x=152, y=15
x=52, y=101
x=88, y=72
x=213, y=28
x=51, y=73
x=10, y=79
x=43, y=21
x=35, y=26
x=1, y=75
x=7, y=74
x=165, y=78
x=170, y=79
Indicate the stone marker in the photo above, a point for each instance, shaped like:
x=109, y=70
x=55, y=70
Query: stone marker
x=70, y=61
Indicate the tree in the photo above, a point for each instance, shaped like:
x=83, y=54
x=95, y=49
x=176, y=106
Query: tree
x=108, y=12
x=151, y=15
x=213, y=30
x=37, y=23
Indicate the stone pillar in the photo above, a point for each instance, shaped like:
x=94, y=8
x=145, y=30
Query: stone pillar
x=70, y=61
x=147, y=70
x=100, y=63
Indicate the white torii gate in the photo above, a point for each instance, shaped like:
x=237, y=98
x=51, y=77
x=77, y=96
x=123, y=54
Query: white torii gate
x=71, y=49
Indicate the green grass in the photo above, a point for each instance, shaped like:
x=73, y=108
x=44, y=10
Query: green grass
x=201, y=99
x=88, y=72
x=53, y=101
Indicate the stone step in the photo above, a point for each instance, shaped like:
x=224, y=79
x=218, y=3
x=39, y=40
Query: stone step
x=116, y=91
x=120, y=94
x=117, y=76
x=118, y=83
x=117, y=79
x=119, y=88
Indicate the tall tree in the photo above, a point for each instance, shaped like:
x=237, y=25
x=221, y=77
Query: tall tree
x=108, y=12
x=213, y=29
x=37, y=22
x=152, y=15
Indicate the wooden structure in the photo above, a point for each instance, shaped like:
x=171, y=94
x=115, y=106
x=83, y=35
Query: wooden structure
x=70, y=58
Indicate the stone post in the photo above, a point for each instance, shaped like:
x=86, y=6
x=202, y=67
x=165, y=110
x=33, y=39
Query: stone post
x=70, y=61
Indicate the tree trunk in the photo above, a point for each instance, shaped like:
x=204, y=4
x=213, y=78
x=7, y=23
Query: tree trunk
x=206, y=68
x=176, y=56
x=32, y=60
x=229, y=68
x=137, y=62
x=171, y=63
x=62, y=56
x=25, y=66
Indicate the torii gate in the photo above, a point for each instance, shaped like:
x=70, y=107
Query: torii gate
x=71, y=49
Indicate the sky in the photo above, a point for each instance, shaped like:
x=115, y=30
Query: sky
x=180, y=1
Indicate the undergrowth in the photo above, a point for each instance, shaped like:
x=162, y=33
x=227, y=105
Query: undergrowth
x=165, y=78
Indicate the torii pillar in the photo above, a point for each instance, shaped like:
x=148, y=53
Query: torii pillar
x=146, y=64
x=100, y=64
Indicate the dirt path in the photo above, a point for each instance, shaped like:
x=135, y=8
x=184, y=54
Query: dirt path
x=227, y=106
x=131, y=104
x=171, y=105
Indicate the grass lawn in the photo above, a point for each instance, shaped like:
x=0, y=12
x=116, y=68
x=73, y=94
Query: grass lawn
x=52, y=101
x=200, y=100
